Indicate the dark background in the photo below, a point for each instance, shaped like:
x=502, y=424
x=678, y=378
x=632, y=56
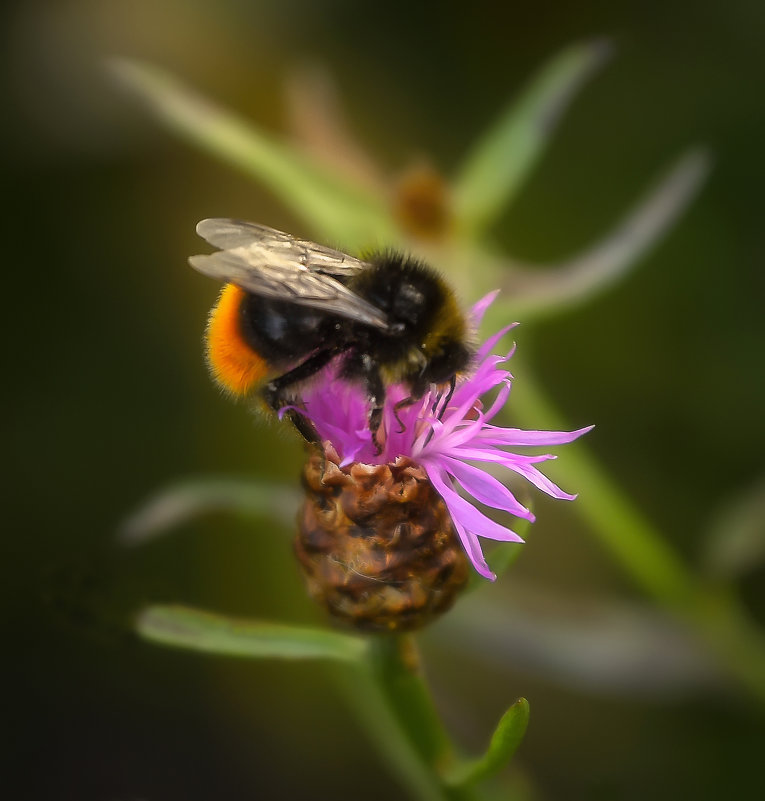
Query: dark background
x=107, y=398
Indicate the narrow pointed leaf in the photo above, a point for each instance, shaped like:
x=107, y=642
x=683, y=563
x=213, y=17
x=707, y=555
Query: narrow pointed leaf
x=605, y=647
x=735, y=543
x=504, y=743
x=506, y=553
x=187, y=500
x=535, y=291
x=317, y=120
x=339, y=210
x=182, y=627
x=498, y=165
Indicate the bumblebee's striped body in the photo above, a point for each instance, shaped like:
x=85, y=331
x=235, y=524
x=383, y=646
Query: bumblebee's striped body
x=233, y=363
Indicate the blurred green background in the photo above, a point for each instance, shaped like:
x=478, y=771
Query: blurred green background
x=107, y=397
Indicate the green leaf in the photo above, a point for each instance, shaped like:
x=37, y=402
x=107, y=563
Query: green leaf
x=735, y=543
x=506, y=553
x=343, y=212
x=501, y=161
x=606, y=645
x=192, y=498
x=503, y=744
x=182, y=627
x=534, y=291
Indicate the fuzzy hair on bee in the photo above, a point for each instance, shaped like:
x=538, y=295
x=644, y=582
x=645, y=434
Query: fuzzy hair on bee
x=289, y=307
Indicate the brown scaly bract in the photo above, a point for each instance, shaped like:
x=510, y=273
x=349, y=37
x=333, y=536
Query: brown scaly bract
x=376, y=544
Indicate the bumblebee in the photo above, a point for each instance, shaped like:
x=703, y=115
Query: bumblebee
x=289, y=307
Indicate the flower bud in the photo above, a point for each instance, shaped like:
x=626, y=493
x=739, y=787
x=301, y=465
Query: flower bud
x=376, y=543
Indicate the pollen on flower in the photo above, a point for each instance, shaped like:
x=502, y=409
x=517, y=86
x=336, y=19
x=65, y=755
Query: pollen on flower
x=362, y=479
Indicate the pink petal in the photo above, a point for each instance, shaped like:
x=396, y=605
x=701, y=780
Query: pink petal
x=491, y=454
x=457, y=417
x=465, y=432
x=540, y=481
x=492, y=341
x=496, y=435
x=499, y=401
x=479, y=309
x=485, y=488
x=474, y=521
x=473, y=550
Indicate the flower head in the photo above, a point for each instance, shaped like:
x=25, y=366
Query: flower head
x=445, y=442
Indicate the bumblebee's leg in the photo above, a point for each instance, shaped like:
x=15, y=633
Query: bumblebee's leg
x=303, y=426
x=402, y=404
x=417, y=393
x=452, y=385
x=376, y=391
x=275, y=392
x=443, y=402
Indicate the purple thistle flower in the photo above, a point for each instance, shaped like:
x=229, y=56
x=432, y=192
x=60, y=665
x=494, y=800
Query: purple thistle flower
x=444, y=442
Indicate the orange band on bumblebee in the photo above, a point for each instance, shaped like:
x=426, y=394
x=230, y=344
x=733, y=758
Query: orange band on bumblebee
x=233, y=363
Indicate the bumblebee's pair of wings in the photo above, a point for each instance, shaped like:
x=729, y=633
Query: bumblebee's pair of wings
x=273, y=264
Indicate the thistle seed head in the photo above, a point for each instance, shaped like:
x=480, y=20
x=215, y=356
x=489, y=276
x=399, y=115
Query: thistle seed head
x=376, y=543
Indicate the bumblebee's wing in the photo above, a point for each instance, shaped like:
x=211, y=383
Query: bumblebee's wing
x=227, y=234
x=276, y=265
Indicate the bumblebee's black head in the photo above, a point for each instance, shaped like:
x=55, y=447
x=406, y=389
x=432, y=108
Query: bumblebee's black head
x=426, y=339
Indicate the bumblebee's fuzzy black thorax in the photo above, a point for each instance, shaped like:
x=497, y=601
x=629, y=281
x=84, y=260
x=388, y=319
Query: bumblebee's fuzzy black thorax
x=425, y=341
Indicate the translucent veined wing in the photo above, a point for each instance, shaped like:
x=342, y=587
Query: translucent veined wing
x=273, y=264
x=226, y=234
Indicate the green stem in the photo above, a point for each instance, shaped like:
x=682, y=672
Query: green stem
x=717, y=616
x=396, y=665
x=372, y=708
x=726, y=626
x=392, y=701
